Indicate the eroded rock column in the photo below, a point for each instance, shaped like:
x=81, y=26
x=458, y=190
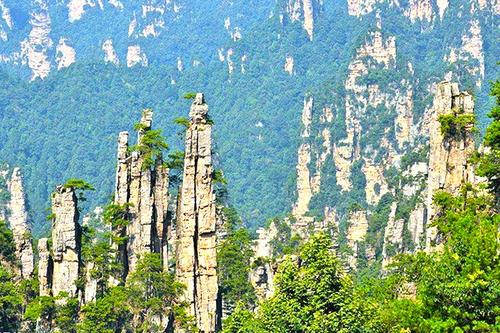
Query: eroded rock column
x=196, y=223
x=18, y=220
x=44, y=267
x=121, y=198
x=66, y=241
x=140, y=229
x=143, y=189
x=448, y=167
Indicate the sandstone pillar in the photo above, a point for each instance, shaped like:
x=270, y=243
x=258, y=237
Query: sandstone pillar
x=18, y=220
x=196, y=222
x=448, y=167
x=44, y=267
x=66, y=241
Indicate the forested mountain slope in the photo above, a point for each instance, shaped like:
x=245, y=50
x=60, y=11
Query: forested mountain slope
x=74, y=72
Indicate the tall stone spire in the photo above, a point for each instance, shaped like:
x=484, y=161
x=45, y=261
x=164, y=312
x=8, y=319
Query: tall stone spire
x=18, y=220
x=45, y=267
x=448, y=167
x=145, y=191
x=66, y=241
x=196, y=223
x=121, y=198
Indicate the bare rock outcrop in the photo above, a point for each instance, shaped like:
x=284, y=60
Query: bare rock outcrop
x=18, y=220
x=304, y=11
x=196, y=222
x=66, y=241
x=356, y=233
x=261, y=276
x=45, y=267
x=143, y=190
x=448, y=167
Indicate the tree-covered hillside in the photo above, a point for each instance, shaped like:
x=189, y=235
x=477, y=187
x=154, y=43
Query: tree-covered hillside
x=64, y=126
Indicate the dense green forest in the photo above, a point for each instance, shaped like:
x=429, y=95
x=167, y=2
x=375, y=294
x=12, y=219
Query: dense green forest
x=454, y=288
x=257, y=106
x=62, y=129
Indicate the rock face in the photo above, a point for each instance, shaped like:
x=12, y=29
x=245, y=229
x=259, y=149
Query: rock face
x=66, y=241
x=303, y=10
x=304, y=188
x=35, y=48
x=448, y=167
x=196, y=223
x=144, y=190
x=262, y=275
x=471, y=50
x=18, y=220
x=357, y=229
x=141, y=227
x=45, y=267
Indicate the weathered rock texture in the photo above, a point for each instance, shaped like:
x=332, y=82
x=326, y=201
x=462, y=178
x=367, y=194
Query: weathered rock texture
x=66, y=241
x=304, y=186
x=144, y=190
x=18, y=220
x=45, y=267
x=262, y=275
x=304, y=11
x=196, y=222
x=448, y=167
x=90, y=291
x=356, y=233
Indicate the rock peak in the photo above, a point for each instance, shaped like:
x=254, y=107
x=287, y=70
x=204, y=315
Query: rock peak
x=199, y=110
x=18, y=220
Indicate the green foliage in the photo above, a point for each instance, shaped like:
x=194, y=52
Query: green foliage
x=233, y=259
x=11, y=301
x=488, y=164
x=176, y=160
x=62, y=311
x=284, y=242
x=7, y=246
x=40, y=307
x=242, y=320
x=150, y=293
x=78, y=184
x=182, y=121
x=218, y=177
x=108, y=314
x=456, y=124
x=312, y=295
x=67, y=314
x=151, y=146
x=190, y=95
x=115, y=215
x=457, y=288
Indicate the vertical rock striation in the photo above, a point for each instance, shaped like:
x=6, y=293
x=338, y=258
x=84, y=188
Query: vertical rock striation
x=262, y=274
x=66, y=241
x=448, y=167
x=45, y=267
x=357, y=229
x=18, y=220
x=121, y=198
x=140, y=230
x=144, y=191
x=196, y=222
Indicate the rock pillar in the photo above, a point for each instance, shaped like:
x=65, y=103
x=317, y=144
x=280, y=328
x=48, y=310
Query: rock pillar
x=44, y=267
x=448, y=167
x=66, y=241
x=196, y=223
x=18, y=220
